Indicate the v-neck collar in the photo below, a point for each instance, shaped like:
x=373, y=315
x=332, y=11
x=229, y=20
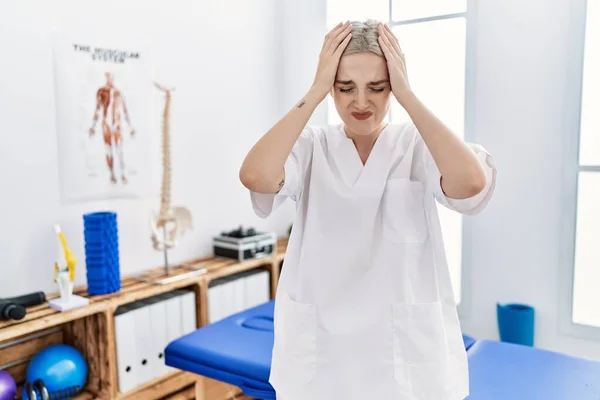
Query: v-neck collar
x=353, y=171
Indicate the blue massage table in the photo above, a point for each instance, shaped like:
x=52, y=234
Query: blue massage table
x=237, y=350
x=506, y=371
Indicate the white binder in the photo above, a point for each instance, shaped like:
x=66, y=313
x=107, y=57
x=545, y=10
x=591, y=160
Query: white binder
x=228, y=297
x=143, y=339
x=214, y=303
x=236, y=293
x=239, y=298
x=143, y=329
x=126, y=349
x=263, y=287
x=250, y=292
x=188, y=312
x=173, y=325
x=173, y=310
x=219, y=297
x=158, y=335
x=257, y=288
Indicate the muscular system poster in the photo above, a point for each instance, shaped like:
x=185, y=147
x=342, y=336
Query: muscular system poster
x=104, y=103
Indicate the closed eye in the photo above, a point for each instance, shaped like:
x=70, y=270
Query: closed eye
x=349, y=90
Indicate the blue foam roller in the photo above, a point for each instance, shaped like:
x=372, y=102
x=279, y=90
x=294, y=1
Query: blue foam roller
x=100, y=216
x=102, y=252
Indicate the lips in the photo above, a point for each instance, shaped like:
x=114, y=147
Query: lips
x=362, y=115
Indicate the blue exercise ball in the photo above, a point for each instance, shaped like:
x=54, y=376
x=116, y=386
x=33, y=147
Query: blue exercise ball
x=60, y=367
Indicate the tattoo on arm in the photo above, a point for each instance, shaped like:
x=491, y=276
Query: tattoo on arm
x=280, y=185
x=301, y=104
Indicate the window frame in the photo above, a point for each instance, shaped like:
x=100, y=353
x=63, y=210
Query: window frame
x=571, y=171
x=469, y=112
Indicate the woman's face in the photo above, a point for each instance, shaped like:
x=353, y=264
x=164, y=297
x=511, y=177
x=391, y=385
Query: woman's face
x=362, y=92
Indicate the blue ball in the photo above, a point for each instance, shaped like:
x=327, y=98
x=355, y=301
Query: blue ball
x=59, y=366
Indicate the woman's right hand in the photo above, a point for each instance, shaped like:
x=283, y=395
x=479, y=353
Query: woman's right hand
x=333, y=46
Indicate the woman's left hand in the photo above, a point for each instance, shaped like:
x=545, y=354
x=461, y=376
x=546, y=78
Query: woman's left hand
x=395, y=61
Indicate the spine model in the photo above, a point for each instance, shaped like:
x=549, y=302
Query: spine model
x=170, y=222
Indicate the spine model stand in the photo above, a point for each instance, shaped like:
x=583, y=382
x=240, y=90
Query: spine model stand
x=171, y=221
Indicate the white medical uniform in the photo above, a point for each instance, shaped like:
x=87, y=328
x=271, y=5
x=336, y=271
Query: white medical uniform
x=364, y=306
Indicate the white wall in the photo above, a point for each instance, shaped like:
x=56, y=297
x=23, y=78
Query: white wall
x=515, y=254
x=522, y=65
x=222, y=59
x=304, y=26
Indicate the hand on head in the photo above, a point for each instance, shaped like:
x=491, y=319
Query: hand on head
x=390, y=45
x=335, y=43
x=333, y=46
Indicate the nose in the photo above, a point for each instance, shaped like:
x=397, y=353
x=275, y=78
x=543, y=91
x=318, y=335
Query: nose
x=361, y=101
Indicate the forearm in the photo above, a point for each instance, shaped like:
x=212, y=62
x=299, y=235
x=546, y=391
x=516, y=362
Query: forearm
x=262, y=170
x=126, y=114
x=95, y=118
x=462, y=174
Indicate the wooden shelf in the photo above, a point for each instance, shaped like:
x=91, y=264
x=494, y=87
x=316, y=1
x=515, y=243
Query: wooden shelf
x=161, y=387
x=132, y=289
x=91, y=330
x=85, y=395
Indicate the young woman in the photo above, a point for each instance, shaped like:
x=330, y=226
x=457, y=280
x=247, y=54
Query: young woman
x=365, y=308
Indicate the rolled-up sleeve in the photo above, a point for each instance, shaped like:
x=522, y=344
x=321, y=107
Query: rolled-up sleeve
x=471, y=205
x=264, y=204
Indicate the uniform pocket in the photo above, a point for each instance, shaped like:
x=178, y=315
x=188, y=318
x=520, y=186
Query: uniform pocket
x=295, y=347
x=403, y=211
x=419, y=348
x=454, y=337
x=445, y=378
x=419, y=333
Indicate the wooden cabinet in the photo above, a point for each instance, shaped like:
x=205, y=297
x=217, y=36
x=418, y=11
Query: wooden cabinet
x=91, y=330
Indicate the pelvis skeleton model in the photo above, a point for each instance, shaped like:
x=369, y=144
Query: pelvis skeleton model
x=171, y=222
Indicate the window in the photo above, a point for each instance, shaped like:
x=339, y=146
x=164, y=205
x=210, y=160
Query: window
x=586, y=256
x=432, y=34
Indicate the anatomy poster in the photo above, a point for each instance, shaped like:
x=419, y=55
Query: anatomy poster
x=106, y=131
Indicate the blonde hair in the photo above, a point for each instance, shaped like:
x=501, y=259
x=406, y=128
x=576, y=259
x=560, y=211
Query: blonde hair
x=364, y=38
